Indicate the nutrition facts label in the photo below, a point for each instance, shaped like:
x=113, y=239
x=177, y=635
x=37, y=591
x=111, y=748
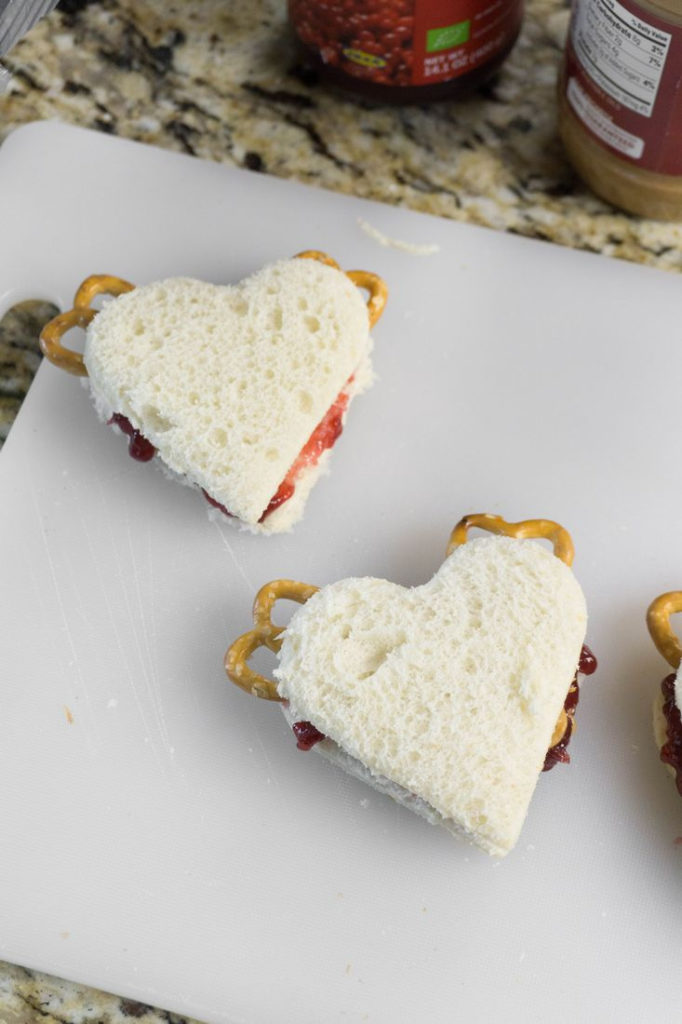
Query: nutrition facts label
x=620, y=52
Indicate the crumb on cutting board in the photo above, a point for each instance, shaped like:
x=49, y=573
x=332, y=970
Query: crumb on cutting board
x=417, y=249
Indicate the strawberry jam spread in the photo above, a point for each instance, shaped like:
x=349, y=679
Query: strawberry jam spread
x=324, y=436
x=284, y=492
x=306, y=735
x=558, y=753
x=138, y=447
x=216, y=504
x=671, y=751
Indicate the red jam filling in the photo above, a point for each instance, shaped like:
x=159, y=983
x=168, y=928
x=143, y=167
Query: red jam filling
x=216, y=504
x=284, y=492
x=587, y=664
x=306, y=735
x=138, y=447
x=671, y=751
x=324, y=436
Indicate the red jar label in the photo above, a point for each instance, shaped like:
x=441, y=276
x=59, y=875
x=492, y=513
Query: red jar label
x=623, y=80
x=406, y=42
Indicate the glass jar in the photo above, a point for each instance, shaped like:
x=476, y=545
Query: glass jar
x=406, y=51
x=620, y=102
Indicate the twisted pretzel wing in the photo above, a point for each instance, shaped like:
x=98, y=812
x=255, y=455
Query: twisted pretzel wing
x=264, y=634
x=541, y=528
x=80, y=316
x=658, y=620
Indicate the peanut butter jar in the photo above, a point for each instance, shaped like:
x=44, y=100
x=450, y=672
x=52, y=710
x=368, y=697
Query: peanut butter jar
x=620, y=102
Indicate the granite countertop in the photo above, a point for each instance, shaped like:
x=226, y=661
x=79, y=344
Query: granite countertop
x=219, y=80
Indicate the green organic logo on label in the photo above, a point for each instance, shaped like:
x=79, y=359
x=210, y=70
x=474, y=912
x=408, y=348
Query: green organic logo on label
x=366, y=60
x=448, y=37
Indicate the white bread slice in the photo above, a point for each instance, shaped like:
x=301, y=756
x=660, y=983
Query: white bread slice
x=445, y=695
x=229, y=382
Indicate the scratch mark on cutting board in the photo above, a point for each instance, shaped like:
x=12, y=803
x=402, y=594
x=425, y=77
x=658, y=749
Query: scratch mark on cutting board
x=272, y=767
x=235, y=561
x=105, y=587
x=65, y=618
x=144, y=628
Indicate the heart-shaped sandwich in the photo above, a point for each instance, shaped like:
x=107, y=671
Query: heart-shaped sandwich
x=668, y=703
x=238, y=390
x=452, y=696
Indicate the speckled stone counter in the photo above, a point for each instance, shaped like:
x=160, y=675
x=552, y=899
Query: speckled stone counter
x=219, y=79
x=27, y=997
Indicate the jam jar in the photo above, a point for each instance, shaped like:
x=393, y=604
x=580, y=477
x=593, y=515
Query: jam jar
x=406, y=51
x=620, y=102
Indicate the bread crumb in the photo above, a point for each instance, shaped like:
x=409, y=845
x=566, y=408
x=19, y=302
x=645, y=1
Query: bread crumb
x=417, y=249
x=69, y=716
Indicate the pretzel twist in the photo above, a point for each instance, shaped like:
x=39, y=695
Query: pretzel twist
x=378, y=292
x=658, y=620
x=560, y=728
x=541, y=528
x=264, y=634
x=52, y=333
x=317, y=254
x=80, y=316
x=100, y=284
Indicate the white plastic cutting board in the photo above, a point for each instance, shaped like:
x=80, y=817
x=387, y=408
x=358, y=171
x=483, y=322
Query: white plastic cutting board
x=170, y=843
